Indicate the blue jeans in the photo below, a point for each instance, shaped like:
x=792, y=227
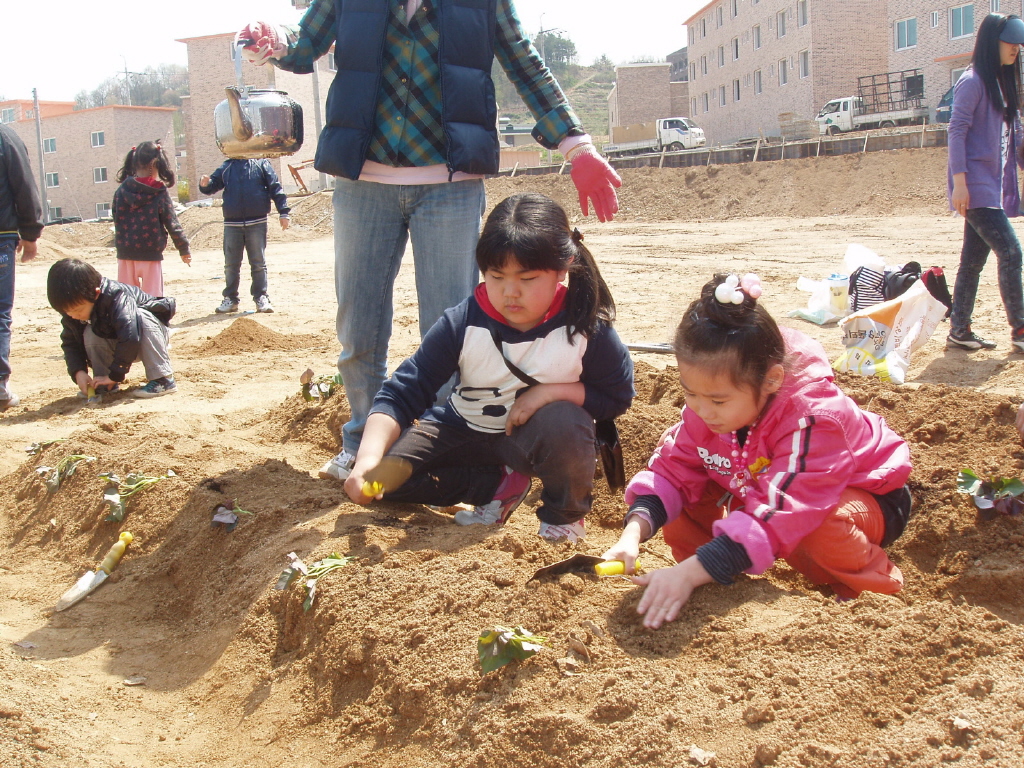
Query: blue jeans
x=372, y=223
x=985, y=230
x=253, y=239
x=8, y=244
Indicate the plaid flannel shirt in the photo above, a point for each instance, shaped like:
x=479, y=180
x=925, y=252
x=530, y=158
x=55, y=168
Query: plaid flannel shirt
x=409, y=130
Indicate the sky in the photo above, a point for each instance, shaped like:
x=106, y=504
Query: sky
x=66, y=46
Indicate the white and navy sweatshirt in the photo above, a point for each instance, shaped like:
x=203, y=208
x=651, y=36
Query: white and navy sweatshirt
x=462, y=341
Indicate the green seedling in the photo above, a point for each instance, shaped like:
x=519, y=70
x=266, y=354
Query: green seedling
x=318, y=388
x=497, y=647
x=118, y=491
x=311, y=574
x=994, y=495
x=54, y=476
x=35, y=448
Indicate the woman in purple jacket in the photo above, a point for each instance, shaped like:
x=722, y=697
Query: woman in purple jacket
x=984, y=150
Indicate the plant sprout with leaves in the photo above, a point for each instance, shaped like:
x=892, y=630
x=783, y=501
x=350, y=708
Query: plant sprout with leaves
x=35, y=448
x=497, y=647
x=996, y=494
x=54, y=476
x=118, y=491
x=311, y=573
x=318, y=387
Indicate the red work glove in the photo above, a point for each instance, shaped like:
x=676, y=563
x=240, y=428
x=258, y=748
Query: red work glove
x=595, y=179
x=263, y=41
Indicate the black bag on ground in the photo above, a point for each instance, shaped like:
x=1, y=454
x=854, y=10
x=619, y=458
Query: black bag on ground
x=935, y=281
x=867, y=288
x=899, y=280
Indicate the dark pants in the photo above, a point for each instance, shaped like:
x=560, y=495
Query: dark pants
x=985, y=230
x=252, y=238
x=455, y=464
x=8, y=246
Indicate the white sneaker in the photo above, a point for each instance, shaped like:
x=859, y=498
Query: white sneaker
x=555, y=533
x=226, y=306
x=338, y=468
x=263, y=304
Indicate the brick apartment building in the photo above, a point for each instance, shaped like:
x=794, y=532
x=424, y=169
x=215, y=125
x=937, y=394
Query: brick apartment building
x=645, y=92
x=83, y=150
x=211, y=67
x=751, y=60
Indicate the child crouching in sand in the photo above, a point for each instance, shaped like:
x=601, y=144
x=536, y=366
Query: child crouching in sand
x=770, y=460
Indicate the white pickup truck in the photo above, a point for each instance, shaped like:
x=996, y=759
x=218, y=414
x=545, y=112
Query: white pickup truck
x=848, y=114
x=668, y=133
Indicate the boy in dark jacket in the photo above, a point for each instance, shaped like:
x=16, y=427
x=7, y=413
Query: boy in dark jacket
x=109, y=325
x=249, y=186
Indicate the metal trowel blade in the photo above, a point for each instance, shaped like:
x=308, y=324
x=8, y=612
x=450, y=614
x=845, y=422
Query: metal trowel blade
x=83, y=587
x=578, y=563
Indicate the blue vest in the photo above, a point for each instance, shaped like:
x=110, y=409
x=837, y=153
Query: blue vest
x=469, y=112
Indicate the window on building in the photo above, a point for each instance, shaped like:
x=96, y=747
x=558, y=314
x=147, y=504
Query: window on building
x=736, y=90
x=703, y=65
x=693, y=35
x=955, y=75
x=719, y=16
x=332, y=66
x=99, y=175
x=98, y=139
x=704, y=27
x=801, y=13
x=783, y=71
x=721, y=55
x=7, y=115
x=757, y=81
x=102, y=210
x=56, y=213
x=961, y=21
x=995, y=6
x=52, y=180
x=49, y=146
x=906, y=34
x=693, y=106
x=755, y=35
x=706, y=101
x=721, y=95
x=935, y=19
x=735, y=8
x=780, y=23
x=693, y=70
x=805, y=63
x=735, y=48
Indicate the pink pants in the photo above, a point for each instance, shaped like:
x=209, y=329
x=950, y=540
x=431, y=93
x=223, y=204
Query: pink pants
x=842, y=553
x=147, y=275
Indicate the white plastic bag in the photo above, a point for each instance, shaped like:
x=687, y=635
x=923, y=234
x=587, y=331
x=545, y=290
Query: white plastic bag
x=819, y=305
x=859, y=256
x=880, y=339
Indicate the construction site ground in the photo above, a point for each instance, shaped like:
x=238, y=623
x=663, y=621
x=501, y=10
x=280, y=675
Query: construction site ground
x=188, y=656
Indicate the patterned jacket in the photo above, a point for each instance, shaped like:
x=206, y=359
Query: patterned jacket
x=143, y=215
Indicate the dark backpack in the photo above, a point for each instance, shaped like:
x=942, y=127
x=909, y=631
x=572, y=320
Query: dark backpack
x=899, y=280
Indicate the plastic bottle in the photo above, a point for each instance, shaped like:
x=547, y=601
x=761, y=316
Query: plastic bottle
x=839, y=294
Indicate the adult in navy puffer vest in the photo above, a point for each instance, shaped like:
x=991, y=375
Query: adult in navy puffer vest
x=411, y=130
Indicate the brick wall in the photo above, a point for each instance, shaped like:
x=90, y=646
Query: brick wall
x=642, y=93
x=75, y=158
x=211, y=69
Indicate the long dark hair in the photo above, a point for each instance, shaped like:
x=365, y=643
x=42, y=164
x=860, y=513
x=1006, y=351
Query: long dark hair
x=141, y=157
x=533, y=230
x=988, y=65
x=742, y=339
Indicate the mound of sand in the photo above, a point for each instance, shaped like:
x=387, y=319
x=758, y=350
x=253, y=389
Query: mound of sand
x=246, y=335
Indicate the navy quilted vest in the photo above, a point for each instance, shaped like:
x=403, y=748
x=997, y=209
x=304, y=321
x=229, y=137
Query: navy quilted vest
x=469, y=110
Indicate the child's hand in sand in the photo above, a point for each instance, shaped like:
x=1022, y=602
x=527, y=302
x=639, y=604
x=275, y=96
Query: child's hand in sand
x=627, y=548
x=668, y=590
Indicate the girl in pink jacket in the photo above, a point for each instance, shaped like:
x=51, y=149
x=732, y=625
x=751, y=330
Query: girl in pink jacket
x=770, y=459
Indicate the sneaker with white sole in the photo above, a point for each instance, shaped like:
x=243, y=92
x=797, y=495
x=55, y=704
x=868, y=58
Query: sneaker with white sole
x=338, y=468
x=969, y=340
x=511, y=491
x=571, y=532
x=263, y=304
x=157, y=388
x=1017, y=339
x=227, y=306
x=11, y=401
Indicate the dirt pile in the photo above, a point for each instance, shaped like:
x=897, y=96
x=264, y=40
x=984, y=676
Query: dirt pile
x=769, y=672
x=245, y=335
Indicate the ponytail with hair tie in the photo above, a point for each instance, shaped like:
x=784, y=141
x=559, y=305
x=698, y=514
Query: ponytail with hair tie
x=577, y=236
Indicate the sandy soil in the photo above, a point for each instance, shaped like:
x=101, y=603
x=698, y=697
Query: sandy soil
x=383, y=671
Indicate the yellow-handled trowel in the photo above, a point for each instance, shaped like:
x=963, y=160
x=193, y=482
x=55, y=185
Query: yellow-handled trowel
x=93, y=579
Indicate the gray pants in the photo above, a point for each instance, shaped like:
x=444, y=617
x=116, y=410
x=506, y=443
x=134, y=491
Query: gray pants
x=458, y=464
x=154, y=351
x=251, y=238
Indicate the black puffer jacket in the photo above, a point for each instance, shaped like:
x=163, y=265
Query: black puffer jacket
x=115, y=315
x=143, y=215
x=20, y=208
